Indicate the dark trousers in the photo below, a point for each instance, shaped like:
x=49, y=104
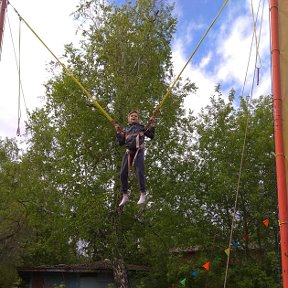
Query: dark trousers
x=139, y=167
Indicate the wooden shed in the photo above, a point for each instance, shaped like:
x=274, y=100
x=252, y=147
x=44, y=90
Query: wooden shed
x=96, y=275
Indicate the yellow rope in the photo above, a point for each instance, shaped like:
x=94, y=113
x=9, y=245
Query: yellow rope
x=68, y=72
x=193, y=53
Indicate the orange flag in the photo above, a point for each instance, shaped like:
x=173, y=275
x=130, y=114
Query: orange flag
x=206, y=266
x=266, y=222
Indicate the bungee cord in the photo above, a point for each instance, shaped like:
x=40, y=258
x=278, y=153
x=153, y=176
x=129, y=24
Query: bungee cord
x=244, y=139
x=19, y=81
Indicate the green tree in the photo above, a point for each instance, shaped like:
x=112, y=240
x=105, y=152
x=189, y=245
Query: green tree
x=220, y=130
x=13, y=228
x=125, y=61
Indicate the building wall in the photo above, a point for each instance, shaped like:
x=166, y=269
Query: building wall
x=71, y=280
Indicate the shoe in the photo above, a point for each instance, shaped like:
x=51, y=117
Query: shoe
x=124, y=200
x=142, y=198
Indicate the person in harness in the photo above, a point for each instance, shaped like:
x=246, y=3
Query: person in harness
x=133, y=138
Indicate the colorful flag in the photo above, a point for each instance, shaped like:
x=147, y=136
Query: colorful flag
x=206, y=265
x=183, y=282
x=236, y=243
x=216, y=259
x=245, y=237
x=227, y=251
x=266, y=222
x=194, y=273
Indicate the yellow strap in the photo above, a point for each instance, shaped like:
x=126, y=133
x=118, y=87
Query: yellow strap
x=69, y=72
x=193, y=53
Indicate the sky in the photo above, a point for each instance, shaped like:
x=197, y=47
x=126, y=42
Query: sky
x=222, y=58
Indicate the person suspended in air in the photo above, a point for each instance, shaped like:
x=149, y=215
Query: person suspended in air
x=133, y=137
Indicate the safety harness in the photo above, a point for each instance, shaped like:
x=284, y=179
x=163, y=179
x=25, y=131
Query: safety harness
x=138, y=147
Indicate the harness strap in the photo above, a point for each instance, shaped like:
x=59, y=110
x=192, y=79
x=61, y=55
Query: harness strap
x=135, y=156
x=138, y=147
x=134, y=134
x=137, y=141
x=128, y=159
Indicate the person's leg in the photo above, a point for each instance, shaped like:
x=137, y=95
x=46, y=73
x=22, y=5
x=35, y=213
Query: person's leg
x=139, y=164
x=124, y=174
x=124, y=179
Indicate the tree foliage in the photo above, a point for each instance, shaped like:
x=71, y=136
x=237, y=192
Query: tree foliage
x=13, y=227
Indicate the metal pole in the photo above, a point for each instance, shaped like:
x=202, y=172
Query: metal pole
x=2, y=18
x=279, y=142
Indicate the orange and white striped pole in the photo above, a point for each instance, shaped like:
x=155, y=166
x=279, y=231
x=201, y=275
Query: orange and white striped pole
x=279, y=139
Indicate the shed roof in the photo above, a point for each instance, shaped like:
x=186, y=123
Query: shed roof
x=81, y=268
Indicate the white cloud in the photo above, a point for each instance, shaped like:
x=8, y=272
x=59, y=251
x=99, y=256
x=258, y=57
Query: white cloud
x=232, y=48
x=196, y=74
x=205, y=61
x=226, y=61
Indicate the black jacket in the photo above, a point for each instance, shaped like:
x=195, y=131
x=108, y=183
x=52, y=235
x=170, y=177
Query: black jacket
x=128, y=137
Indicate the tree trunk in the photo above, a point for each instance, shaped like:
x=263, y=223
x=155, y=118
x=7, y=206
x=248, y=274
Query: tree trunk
x=120, y=273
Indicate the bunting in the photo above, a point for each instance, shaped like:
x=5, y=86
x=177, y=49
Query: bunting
x=206, y=265
x=227, y=251
x=245, y=237
x=266, y=222
x=236, y=244
x=183, y=282
x=194, y=273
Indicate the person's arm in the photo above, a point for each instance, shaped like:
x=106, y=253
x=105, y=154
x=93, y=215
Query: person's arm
x=120, y=136
x=150, y=132
x=120, y=133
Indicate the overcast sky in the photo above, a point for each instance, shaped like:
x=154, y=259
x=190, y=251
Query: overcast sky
x=222, y=57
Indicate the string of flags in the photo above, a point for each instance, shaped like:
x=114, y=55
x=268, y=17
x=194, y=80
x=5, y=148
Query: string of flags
x=236, y=244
